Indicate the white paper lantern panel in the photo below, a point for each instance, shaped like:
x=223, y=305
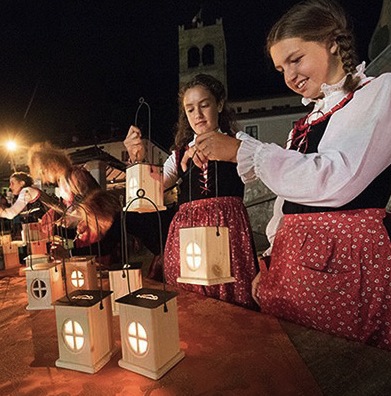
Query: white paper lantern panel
x=44, y=285
x=148, y=178
x=81, y=273
x=149, y=335
x=84, y=330
x=121, y=281
x=205, y=257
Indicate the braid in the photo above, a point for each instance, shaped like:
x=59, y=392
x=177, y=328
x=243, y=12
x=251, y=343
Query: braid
x=347, y=52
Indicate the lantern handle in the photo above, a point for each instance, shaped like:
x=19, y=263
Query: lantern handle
x=143, y=102
x=141, y=195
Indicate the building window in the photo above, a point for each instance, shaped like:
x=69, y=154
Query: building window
x=208, y=55
x=252, y=130
x=193, y=57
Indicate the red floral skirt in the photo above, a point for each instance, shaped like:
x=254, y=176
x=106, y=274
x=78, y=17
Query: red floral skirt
x=332, y=272
x=230, y=212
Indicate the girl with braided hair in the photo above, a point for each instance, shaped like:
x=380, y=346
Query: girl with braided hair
x=210, y=193
x=330, y=262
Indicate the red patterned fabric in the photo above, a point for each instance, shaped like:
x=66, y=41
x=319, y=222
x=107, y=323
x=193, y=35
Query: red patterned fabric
x=332, y=271
x=232, y=214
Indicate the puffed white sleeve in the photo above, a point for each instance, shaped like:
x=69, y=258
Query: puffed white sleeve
x=170, y=171
x=355, y=149
x=25, y=196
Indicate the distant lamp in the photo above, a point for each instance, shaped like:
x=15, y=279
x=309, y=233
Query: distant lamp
x=84, y=330
x=81, y=273
x=44, y=284
x=11, y=145
x=122, y=282
x=149, y=332
x=205, y=256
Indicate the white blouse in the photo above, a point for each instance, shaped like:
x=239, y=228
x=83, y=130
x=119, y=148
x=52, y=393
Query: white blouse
x=355, y=148
x=26, y=195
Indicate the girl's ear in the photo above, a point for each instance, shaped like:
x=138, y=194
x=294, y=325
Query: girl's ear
x=220, y=106
x=334, y=48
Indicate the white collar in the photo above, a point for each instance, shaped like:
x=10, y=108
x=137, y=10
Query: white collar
x=333, y=93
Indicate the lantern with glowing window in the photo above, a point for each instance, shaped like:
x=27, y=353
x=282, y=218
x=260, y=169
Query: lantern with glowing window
x=205, y=256
x=84, y=330
x=81, y=273
x=149, y=332
x=124, y=281
x=44, y=284
x=146, y=177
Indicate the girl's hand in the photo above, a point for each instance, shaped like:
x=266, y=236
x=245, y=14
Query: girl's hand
x=218, y=146
x=254, y=288
x=134, y=145
x=198, y=158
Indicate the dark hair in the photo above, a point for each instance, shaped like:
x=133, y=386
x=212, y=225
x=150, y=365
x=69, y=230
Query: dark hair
x=319, y=21
x=23, y=177
x=227, y=118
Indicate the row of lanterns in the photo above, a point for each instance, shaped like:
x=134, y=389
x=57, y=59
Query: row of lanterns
x=148, y=317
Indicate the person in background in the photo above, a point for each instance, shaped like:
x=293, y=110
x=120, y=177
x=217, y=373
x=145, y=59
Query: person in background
x=330, y=251
x=211, y=192
x=21, y=186
x=53, y=165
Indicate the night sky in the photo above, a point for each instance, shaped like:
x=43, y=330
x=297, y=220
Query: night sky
x=78, y=67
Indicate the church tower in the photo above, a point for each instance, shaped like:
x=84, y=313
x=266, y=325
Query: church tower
x=202, y=50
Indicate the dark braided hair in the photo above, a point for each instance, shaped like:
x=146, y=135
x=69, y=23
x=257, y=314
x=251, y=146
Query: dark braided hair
x=23, y=177
x=320, y=21
x=227, y=117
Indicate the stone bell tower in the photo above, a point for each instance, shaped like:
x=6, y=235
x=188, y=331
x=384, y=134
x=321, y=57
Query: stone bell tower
x=379, y=50
x=202, y=50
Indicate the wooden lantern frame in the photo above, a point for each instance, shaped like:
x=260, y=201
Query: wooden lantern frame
x=149, y=332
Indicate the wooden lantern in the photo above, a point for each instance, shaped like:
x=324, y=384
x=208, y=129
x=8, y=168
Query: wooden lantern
x=121, y=281
x=11, y=254
x=205, y=256
x=38, y=246
x=84, y=330
x=32, y=232
x=81, y=273
x=44, y=285
x=149, y=334
x=4, y=239
x=146, y=177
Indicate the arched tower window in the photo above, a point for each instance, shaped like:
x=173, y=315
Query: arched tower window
x=208, y=55
x=193, y=57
